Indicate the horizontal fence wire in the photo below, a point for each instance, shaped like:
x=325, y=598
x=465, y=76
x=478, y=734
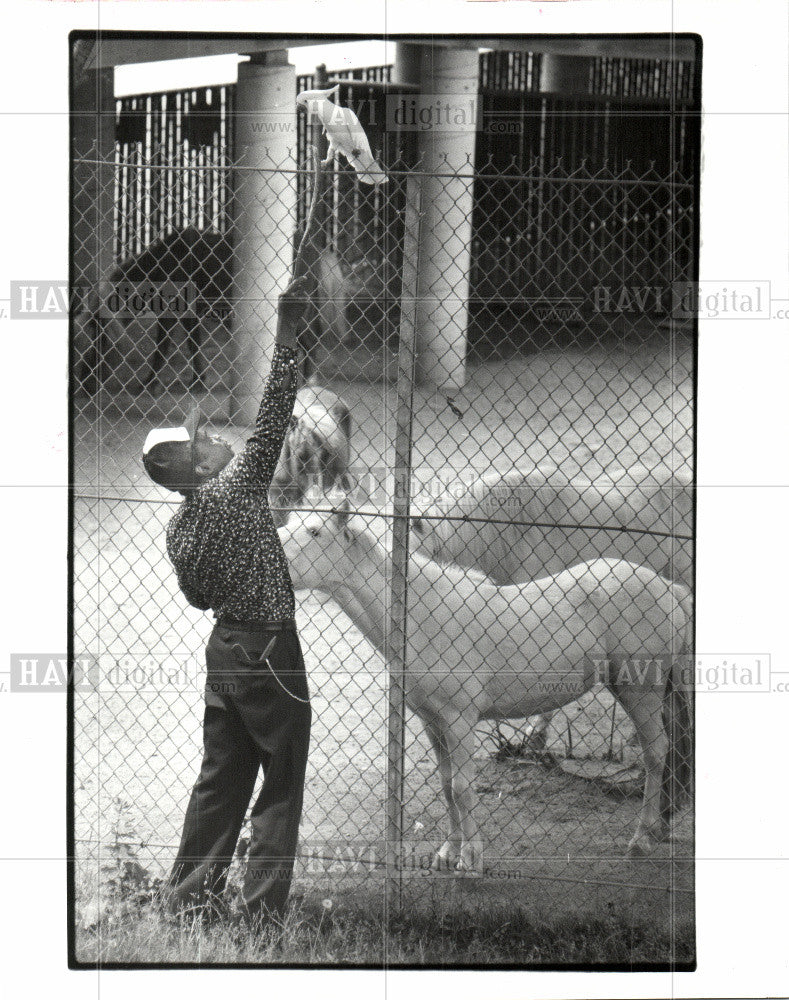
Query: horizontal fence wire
x=579, y=175
x=335, y=858
x=461, y=518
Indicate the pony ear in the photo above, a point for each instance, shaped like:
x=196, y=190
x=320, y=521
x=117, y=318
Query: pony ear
x=344, y=420
x=342, y=511
x=282, y=473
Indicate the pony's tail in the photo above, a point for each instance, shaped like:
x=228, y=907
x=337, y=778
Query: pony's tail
x=677, y=787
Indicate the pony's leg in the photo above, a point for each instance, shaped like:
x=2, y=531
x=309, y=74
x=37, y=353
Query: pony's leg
x=460, y=738
x=164, y=333
x=447, y=853
x=645, y=708
x=537, y=736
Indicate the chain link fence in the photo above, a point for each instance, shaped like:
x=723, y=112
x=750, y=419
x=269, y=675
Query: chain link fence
x=551, y=424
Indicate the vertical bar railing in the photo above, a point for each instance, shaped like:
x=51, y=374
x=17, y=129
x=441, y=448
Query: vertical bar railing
x=396, y=637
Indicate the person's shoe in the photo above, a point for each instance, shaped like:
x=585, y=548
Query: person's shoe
x=255, y=922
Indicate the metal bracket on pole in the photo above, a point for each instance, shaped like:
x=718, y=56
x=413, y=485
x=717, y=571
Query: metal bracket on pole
x=397, y=623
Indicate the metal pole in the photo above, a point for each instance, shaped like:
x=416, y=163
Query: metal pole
x=315, y=139
x=398, y=577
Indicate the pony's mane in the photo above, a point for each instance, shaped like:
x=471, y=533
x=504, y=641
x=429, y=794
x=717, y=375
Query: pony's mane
x=451, y=571
x=368, y=542
x=454, y=572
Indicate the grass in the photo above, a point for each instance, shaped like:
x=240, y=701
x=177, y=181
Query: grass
x=529, y=910
x=357, y=932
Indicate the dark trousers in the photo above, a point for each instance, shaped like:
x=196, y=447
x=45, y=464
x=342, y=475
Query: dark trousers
x=254, y=716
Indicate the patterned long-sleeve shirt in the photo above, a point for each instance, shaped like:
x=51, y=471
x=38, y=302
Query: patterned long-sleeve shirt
x=222, y=541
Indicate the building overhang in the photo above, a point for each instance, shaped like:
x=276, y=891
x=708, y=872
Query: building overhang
x=119, y=49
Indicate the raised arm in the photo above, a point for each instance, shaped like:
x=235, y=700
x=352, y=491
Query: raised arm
x=279, y=392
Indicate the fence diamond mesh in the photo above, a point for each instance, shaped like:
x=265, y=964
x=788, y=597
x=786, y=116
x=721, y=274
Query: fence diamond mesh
x=512, y=416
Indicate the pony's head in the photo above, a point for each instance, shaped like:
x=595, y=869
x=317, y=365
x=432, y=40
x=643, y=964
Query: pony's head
x=319, y=546
x=316, y=450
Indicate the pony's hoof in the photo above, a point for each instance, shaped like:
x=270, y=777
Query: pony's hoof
x=663, y=834
x=463, y=871
x=638, y=849
x=445, y=857
x=442, y=864
x=470, y=860
x=536, y=742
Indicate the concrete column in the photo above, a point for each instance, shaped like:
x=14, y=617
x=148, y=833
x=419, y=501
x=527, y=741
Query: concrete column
x=93, y=139
x=408, y=63
x=93, y=204
x=564, y=74
x=449, y=80
x=265, y=218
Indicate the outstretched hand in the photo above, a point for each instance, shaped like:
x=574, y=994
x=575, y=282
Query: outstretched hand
x=291, y=308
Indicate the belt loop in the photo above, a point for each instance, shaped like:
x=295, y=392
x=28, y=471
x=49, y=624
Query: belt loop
x=259, y=626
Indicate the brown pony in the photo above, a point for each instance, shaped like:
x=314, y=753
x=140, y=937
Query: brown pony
x=316, y=450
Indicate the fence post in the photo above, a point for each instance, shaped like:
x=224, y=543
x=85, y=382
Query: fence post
x=398, y=580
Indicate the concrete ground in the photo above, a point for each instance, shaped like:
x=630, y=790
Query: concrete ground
x=587, y=409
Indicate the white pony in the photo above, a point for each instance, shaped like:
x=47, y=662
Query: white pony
x=478, y=651
x=520, y=525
